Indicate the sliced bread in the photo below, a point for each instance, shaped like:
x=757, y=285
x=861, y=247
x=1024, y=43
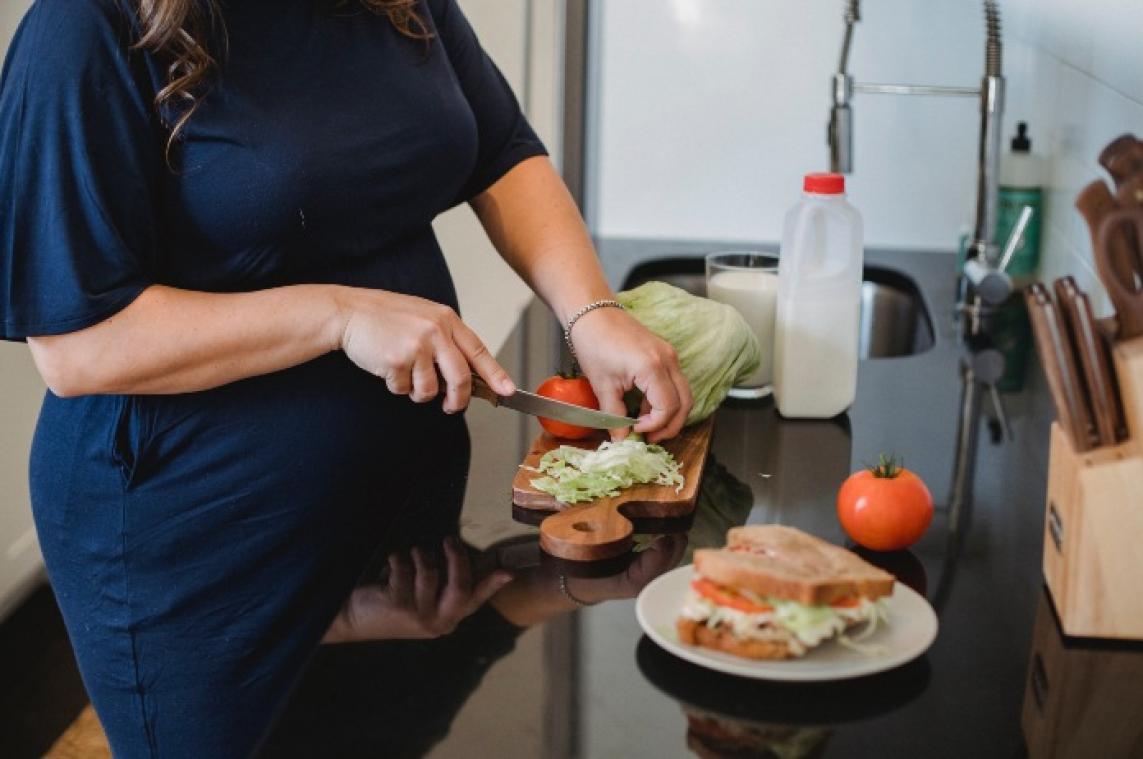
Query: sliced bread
x=784, y=562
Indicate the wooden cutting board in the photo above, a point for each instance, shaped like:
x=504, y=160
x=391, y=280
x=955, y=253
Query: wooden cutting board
x=602, y=529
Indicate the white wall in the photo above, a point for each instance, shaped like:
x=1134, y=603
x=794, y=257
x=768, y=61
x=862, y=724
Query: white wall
x=20, y=394
x=710, y=111
x=1078, y=73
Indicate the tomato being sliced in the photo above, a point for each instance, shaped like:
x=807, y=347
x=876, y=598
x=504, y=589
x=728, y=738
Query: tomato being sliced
x=576, y=390
x=724, y=596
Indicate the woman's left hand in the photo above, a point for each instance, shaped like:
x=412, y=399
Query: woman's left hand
x=616, y=354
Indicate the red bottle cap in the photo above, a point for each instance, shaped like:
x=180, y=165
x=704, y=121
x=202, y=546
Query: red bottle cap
x=824, y=183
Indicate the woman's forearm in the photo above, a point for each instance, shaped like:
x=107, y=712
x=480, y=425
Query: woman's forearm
x=174, y=341
x=548, y=246
x=531, y=218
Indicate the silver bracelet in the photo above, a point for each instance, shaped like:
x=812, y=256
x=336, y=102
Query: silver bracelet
x=568, y=594
x=586, y=310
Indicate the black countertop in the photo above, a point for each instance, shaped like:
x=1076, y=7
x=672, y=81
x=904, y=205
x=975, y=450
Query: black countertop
x=587, y=682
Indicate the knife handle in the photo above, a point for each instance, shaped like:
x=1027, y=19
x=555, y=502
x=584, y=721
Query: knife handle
x=1115, y=257
x=1094, y=359
x=1059, y=368
x=1117, y=261
x=481, y=390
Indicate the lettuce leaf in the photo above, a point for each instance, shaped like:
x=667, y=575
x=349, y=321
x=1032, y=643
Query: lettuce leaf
x=716, y=347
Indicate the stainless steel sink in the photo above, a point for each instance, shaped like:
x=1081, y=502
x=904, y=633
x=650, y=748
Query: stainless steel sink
x=894, y=319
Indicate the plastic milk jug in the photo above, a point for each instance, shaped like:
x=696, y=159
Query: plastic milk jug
x=819, y=302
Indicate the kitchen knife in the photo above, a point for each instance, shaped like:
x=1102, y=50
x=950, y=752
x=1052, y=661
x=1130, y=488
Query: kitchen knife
x=1130, y=193
x=538, y=405
x=1123, y=158
x=1059, y=367
x=1094, y=360
x=1117, y=259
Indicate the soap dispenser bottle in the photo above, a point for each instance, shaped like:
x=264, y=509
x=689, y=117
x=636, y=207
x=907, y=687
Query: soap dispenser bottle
x=819, y=302
x=1021, y=184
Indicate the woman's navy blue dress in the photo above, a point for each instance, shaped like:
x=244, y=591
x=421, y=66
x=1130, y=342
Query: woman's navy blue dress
x=199, y=544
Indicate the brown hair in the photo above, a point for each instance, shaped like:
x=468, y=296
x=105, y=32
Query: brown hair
x=188, y=36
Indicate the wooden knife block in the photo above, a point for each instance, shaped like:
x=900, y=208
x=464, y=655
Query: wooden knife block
x=1093, y=530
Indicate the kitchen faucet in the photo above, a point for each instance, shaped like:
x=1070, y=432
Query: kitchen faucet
x=983, y=269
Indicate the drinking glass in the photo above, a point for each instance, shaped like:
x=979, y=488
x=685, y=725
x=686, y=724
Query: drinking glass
x=748, y=281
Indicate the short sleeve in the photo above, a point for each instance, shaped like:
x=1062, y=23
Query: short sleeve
x=504, y=134
x=80, y=157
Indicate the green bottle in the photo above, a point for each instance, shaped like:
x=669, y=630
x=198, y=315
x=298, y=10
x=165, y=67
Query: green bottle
x=1021, y=184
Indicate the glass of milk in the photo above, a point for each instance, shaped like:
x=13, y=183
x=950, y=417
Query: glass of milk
x=748, y=281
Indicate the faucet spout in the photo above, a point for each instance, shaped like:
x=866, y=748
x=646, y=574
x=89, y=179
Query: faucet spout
x=982, y=248
x=841, y=126
x=983, y=244
x=840, y=136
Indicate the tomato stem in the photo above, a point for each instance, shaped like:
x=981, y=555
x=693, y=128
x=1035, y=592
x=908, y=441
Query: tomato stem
x=888, y=467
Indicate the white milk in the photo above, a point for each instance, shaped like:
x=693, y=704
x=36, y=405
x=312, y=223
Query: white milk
x=822, y=379
x=816, y=327
x=753, y=294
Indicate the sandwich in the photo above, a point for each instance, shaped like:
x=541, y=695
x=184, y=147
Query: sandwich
x=775, y=592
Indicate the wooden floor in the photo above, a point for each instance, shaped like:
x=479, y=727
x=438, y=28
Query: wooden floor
x=83, y=740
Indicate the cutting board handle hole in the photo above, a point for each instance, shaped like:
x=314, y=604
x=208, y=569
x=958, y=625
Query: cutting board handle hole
x=584, y=526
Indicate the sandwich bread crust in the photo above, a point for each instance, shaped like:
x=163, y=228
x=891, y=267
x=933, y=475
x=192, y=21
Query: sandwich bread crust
x=722, y=639
x=784, y=562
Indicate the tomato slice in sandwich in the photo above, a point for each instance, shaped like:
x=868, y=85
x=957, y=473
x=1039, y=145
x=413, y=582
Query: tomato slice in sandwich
x=847, y=603
x=724, y=596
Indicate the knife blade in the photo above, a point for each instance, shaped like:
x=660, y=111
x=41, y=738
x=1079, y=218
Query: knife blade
x=1094, y=359
x=550, y=408
x=1059, y=367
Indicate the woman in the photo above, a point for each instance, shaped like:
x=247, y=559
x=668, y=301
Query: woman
x=216, y=241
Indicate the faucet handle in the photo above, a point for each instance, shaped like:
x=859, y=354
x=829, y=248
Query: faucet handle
x=992, y=285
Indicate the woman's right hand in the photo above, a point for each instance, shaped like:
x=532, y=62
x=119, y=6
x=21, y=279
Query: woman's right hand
x=407, y=340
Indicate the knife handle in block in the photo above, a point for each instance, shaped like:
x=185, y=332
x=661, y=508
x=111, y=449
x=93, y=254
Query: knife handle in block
x=1094, y=360
x=1116, y=259
x=1058, y=362
x=1118, y=249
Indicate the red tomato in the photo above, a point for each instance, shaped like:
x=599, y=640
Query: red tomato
x=884, y=508
x=846, y=603
x=724, y=596
x=575, y=390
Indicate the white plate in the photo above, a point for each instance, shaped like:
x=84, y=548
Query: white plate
x=911, y=630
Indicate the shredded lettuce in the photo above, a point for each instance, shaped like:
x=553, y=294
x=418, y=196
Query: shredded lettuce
x=809, y=624
x=574, y=475
x=856, y=643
